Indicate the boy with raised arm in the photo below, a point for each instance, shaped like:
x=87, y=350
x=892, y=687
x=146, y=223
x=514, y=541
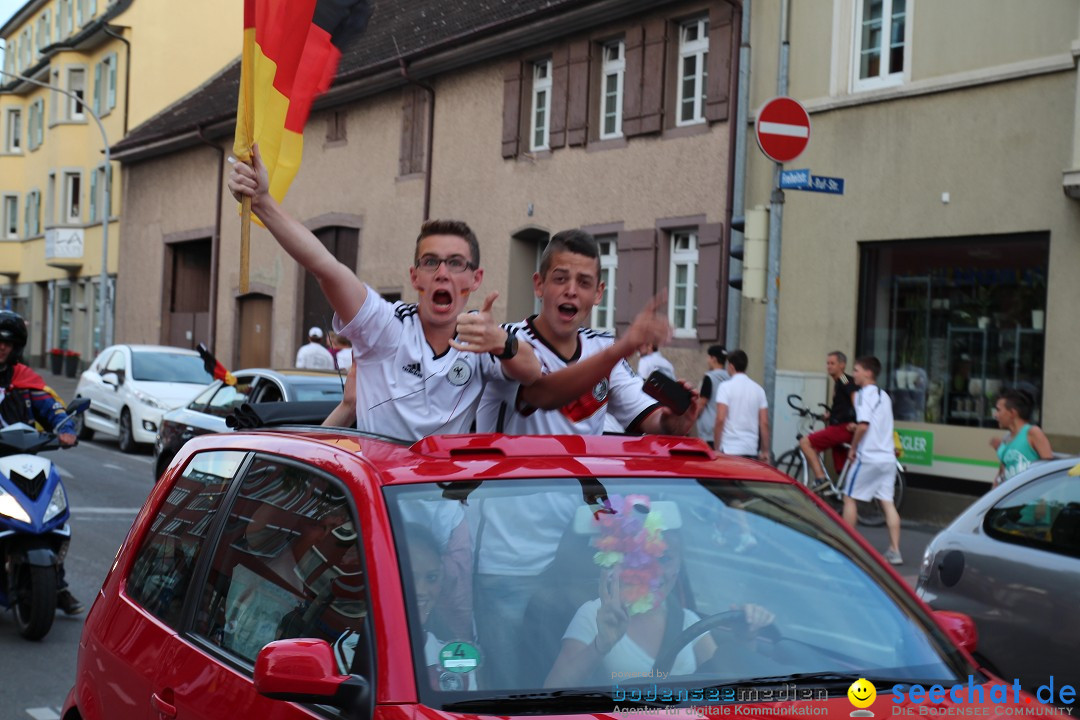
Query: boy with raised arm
x=424, y=365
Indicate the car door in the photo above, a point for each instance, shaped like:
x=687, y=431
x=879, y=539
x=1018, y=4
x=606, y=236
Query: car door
x=112, y=397
x=1028, y=573
x=287, y=563
x=127, y=636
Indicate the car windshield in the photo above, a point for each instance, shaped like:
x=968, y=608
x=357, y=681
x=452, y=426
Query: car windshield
x=571, y=590
x=153, y=366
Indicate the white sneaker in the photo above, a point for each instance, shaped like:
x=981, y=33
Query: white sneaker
x=893, y=557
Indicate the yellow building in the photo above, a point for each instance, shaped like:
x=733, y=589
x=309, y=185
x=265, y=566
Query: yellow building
x=122, y=60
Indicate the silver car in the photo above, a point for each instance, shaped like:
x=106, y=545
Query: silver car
x=1011, y=561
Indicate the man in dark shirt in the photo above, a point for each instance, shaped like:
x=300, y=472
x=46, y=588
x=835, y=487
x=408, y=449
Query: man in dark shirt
x=840, y=418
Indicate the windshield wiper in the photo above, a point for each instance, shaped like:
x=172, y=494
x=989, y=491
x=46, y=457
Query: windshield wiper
x=547, y=702
x=828, y=679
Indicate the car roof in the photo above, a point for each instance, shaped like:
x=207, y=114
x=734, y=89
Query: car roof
x=461, y=458
x=294, y=376
x=157, y=348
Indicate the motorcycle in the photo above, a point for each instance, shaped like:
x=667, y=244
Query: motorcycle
x=34, y=533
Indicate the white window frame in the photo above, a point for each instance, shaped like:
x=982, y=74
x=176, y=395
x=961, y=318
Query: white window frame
x=699, y=50
x=10, y=212
x=541, y=84
x=613, y=67
x=886, y=77
x=76, y=109
x=687, y=256
x=72, y=211
x=32, y=221
x=13, y=130
x=609, y=265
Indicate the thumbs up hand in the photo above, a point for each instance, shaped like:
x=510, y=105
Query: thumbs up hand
x=478, y=332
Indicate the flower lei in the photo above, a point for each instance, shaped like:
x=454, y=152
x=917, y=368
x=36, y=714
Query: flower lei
x=631, y=535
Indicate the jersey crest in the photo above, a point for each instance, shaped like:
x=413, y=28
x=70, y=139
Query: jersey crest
x=460, y=373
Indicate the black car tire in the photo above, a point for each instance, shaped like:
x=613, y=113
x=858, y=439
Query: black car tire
x=126, y=439
x=83, y=432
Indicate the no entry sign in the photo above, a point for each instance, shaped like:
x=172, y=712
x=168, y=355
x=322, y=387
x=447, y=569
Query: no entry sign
x=782, y=129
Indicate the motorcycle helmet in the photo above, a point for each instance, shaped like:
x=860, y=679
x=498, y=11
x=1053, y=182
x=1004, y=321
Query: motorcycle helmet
x=13, y=330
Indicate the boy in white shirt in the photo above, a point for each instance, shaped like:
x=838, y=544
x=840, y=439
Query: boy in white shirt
x=424, y=365
x=873, y=454
x=742, y=413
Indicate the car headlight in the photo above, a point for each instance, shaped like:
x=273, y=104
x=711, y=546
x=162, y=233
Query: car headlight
x=11, y=508
x=146, y=399
x=57, y=503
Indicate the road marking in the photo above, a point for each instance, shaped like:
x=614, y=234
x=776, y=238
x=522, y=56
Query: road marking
x=63, y=473
x=113, y=466
x=104, y=511
x=43, y=713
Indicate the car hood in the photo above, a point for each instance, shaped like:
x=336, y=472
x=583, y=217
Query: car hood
x=169, y=394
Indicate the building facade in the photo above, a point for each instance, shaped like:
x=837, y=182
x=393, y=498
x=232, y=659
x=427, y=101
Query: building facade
x=950, y=255
x=123, y=61
x=612, y=116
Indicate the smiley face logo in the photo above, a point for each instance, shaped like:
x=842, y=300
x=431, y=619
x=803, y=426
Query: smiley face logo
x=862, y=693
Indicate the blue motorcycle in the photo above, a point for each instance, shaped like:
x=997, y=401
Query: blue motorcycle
x=34, y=533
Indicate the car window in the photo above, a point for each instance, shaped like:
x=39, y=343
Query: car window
x=204, y=397
x=269, y=391
x=116, y=363
x=534, y=566
x=165, y=561
x=230, y=397
x=155, y=366
x=289, y=564
x=1044, y=513
x=318, y=392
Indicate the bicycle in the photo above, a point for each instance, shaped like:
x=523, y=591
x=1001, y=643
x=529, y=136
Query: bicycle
x=793, y=463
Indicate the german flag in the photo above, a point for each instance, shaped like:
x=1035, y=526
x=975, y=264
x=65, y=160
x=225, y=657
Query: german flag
x=291, y=52
x=216, y=369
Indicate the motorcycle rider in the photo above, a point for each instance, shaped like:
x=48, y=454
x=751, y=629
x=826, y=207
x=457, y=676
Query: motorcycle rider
x=24, y=398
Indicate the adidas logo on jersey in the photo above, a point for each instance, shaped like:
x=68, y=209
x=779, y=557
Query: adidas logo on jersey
x=413, y=369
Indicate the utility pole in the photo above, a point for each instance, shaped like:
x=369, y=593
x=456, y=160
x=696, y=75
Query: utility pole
x=104, y=318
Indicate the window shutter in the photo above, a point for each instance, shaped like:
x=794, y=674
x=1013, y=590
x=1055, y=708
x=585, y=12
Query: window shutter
x=408, y=99
x=635, y=54
x=652, y=76
x=722, y=46
x=559, y=87
x=420, y=119
x=112, y=82
x=93, y=196
x=637, y=274
x=577, y=113
x=511, y=137
x=97, y=89
x=710, y=273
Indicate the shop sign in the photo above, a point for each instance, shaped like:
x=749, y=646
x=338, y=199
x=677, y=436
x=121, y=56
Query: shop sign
x=918, y=447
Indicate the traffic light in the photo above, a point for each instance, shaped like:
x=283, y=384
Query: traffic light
x=752, y=253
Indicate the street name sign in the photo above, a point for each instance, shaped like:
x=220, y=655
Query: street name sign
x=795, y=179
x=782, y=129
x=831, y=185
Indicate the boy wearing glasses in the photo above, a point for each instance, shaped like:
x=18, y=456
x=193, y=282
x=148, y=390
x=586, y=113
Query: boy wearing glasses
x=424, y=365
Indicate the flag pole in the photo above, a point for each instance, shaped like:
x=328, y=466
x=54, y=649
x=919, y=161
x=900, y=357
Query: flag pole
x=245, y=243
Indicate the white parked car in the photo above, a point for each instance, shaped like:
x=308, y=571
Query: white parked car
x=131, y=386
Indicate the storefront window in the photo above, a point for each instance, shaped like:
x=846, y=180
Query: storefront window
x=955, y=321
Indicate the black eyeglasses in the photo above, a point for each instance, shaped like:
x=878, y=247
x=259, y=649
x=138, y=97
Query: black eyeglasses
x=454, y=263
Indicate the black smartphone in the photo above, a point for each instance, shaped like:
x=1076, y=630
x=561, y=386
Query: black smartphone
x=670, y=393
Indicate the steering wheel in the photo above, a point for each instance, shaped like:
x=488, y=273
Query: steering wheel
x=730, y=620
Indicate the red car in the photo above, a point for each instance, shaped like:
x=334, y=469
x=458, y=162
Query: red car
x=329, y=574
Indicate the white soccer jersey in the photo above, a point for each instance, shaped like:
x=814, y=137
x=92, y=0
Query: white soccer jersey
x=874, y=407
x=404, y=389
x=620, y=393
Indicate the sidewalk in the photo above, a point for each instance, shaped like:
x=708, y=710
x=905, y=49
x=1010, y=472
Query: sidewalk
x=64, y=386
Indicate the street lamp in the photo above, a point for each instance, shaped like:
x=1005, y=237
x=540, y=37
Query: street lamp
x=104, y=318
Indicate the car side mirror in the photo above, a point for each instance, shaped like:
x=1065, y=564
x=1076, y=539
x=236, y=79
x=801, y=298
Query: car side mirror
x=960, y=627
x=303, y=670
x=111, y=378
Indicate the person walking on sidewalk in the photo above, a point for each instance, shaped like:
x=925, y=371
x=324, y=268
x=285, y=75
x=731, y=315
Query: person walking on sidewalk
x=873, y=454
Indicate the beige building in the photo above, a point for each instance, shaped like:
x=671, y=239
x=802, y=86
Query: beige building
x=952, y=253
x=612, y=115
x=122, y=60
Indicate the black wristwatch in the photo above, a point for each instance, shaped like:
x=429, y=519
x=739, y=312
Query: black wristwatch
x=510, y=348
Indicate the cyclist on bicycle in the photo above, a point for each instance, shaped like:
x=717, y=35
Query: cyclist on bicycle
x=840, y=418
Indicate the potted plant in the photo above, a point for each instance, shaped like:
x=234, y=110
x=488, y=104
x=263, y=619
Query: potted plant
x=56, y=360
x=71, y=363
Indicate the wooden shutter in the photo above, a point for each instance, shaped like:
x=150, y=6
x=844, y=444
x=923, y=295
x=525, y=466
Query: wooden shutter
x=652, y=76
x=709, y=281
x=636, y=274
x=577, y=101
x=511, y=137
x=419, y=128
x=635, y=55
x=722, y=48
x=559, y=86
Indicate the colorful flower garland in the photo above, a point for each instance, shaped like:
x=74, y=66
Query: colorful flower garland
x=631, y=536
